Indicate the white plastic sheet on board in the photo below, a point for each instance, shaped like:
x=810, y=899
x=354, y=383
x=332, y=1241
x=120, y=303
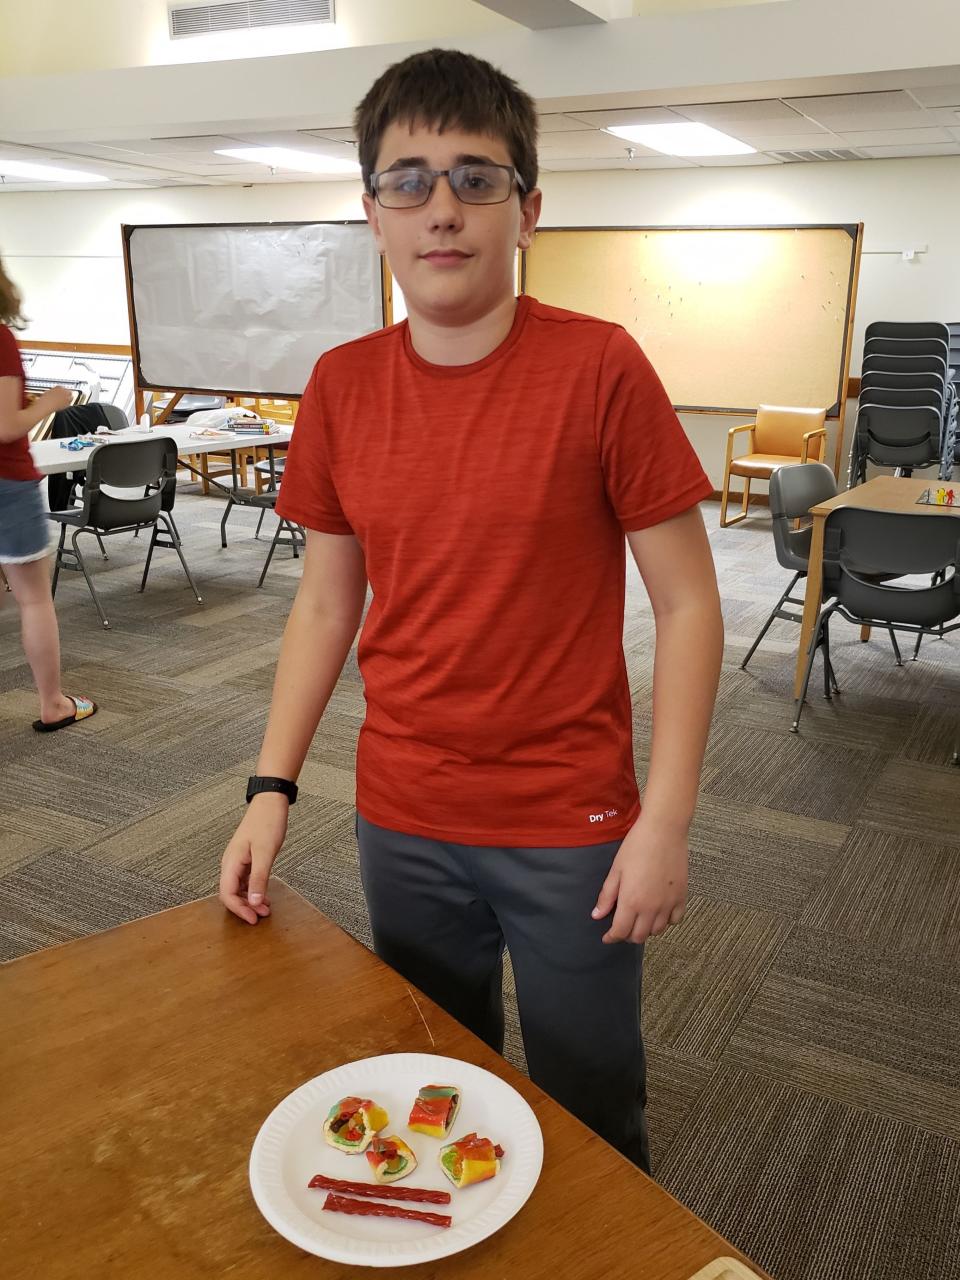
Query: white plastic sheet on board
x=250, y=308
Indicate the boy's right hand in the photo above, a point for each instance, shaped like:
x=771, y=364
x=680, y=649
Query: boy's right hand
x=245, y=866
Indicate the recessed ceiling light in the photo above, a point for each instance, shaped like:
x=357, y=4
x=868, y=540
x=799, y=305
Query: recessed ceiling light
x=46, y=173
x=299, y=161
x=682, y=139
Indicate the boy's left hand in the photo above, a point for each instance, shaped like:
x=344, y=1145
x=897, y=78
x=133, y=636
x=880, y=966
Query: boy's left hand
x=647, y=882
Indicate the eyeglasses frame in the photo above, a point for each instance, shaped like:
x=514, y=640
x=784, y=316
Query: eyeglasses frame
x=445, y=173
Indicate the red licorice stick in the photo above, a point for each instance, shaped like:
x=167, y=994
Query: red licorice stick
x=366, y=1208
x=379, y=1191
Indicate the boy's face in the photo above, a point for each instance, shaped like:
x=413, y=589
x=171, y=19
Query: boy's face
x=453, y=261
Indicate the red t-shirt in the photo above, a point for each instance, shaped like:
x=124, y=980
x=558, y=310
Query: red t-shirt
x=16, y=462
x=491, y=501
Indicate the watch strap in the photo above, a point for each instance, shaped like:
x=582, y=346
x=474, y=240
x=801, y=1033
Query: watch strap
x=258, y=784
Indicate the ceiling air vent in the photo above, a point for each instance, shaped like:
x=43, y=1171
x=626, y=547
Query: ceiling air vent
x=799, y=157
x=242, y=15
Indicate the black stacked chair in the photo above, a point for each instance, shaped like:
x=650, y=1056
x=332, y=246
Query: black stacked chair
x=906, y=416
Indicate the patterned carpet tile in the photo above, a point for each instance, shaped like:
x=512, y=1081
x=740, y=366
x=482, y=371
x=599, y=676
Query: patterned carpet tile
x=675, y=1083
x=201, y=820
x=752, y=857
x=207, y=730
x=102, y=800
x=787, y=771
x=916, y=800
x=936, y=734
x=899, y=894
x=55, y=830
x=816, y=1190
x=62, y=896
x=838, y=1018
x=848, y=721
x=17, y=849
x=700, y=977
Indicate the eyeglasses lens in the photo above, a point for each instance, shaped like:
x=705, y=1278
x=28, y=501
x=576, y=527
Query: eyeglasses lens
x=472, y=183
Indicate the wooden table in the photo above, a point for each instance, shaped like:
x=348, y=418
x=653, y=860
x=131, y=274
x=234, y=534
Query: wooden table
x=884, y=493
x=138, y=1065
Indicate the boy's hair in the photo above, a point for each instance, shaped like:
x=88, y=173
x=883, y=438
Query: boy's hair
x=10, y=303
x=444, y=89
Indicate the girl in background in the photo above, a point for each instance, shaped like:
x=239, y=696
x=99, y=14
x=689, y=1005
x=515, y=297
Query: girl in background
x=23, y=523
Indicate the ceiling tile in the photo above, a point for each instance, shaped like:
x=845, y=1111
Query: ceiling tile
x=893, y=137
x=792, y=141
x=731, y=162
x=768, y=115
x=933, y=149
x=627, y=115
x=175, y=146
x=592, y=143
x=891, y=109
x=335, y=135
x=652, y=162
x=940, y=95
x=553, y=122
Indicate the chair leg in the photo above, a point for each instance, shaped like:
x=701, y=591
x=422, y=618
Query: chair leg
x=742, y=514
x=766, y=626
x=896, y=647
x=103, y=549
x=273, y=547
x=57, y=560
x=294, y=539
x=263, y=512
x=811, y=654
x=83, y=568
x=178, y=547
x=223, y=523
x=828, y=680
x=146, y=567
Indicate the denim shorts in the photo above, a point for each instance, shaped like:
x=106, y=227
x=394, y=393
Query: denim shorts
x=24, y=527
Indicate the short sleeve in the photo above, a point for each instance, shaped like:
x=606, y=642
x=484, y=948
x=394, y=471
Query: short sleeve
x=650, y=469
x=11, y=366
x=308, y=495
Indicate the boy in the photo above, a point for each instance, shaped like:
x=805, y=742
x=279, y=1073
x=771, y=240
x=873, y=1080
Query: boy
x=480, y=464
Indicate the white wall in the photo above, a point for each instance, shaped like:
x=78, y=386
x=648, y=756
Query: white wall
x=63, y=249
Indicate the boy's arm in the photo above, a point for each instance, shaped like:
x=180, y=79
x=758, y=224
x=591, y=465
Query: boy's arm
x=321, y=628
x=648, y=880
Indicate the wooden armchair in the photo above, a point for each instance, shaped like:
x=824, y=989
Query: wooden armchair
x=780, y=436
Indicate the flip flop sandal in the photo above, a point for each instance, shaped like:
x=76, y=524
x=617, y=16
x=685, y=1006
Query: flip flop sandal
x=84, y=709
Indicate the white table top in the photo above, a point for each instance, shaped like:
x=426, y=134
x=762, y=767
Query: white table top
x=50, y=459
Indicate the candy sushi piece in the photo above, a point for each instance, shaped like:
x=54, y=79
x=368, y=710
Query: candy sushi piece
x=390, y=1159
x=435, y=1110
x=470, y=1159
x=352, y=1124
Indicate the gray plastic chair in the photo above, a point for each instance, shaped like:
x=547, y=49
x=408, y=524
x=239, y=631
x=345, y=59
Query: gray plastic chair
x=793, y=491
x=903, y=438
x=148, y=465
x=863, y=548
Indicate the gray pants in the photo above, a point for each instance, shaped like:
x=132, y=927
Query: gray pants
x=441, y=914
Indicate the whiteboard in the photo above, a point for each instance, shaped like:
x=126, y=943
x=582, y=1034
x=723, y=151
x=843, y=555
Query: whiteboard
x=247, y=307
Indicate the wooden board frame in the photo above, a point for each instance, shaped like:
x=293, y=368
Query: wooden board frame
x=141, y=384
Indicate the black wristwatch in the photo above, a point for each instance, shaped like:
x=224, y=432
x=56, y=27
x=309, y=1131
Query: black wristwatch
x=256, y=785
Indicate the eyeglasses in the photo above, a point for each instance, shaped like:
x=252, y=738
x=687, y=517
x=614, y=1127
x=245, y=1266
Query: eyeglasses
x=470, y=183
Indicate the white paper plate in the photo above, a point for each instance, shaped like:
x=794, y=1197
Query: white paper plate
x=289, y=1150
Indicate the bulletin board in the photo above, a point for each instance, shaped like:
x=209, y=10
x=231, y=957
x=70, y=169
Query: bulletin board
x=247, y=308
x=730, y=317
